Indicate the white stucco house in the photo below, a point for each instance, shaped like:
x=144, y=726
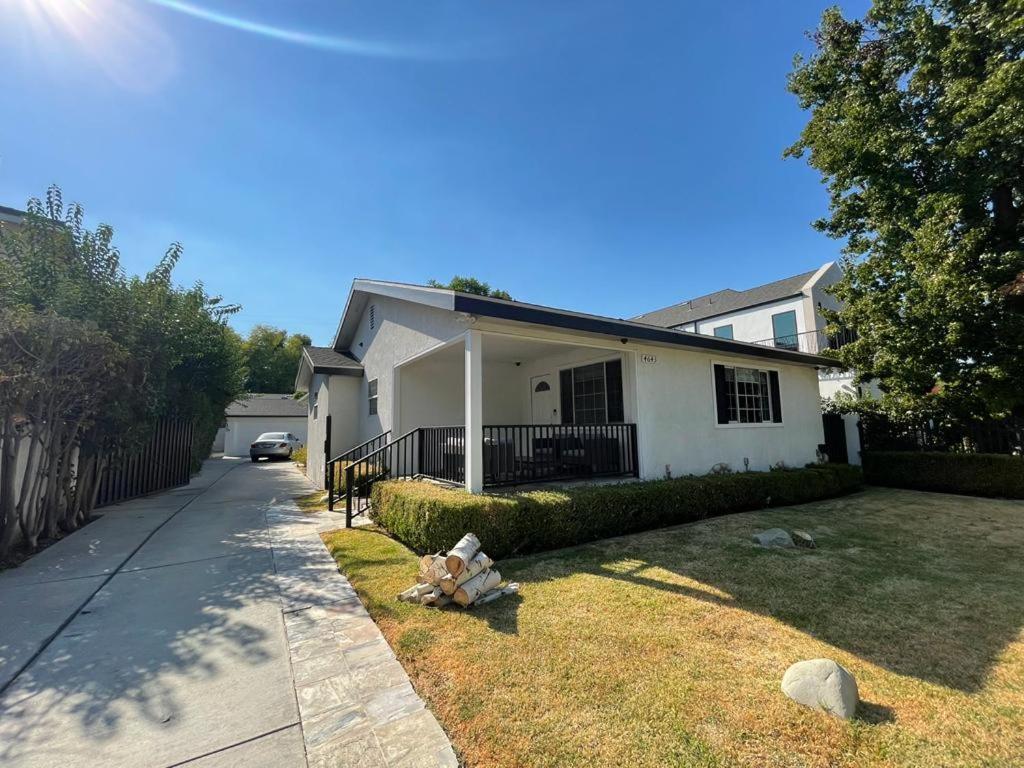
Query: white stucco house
x=485, y=392
x=785, y=314
x=251, y=416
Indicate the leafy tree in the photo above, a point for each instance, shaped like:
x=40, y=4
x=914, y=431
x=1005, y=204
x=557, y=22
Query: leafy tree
x=91, y=358
x=272, y=357
x=916, y=125
x=471, y=285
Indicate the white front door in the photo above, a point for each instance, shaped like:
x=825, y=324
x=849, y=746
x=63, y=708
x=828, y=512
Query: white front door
x=542, y=400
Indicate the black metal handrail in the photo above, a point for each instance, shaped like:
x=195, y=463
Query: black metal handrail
x=813, y=342
x=512, y=454
x=395, y=459
x=334, y=468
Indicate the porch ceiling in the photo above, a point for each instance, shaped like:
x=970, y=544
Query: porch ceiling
x=503, y=349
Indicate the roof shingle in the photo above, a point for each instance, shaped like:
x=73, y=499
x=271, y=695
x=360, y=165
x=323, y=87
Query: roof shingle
x=267, y=405
x=725, y=301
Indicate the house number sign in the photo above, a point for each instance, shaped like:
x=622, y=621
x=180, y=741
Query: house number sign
x=650, y=359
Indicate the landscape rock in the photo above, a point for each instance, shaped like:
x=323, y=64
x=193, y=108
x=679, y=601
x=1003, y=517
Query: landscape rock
x=773, y=537
x=822, y=684
x=803, y=539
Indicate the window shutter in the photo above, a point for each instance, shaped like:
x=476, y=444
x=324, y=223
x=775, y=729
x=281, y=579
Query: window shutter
x=773, y=378
x=721, y=395
x=613, y=391
x=565, y=384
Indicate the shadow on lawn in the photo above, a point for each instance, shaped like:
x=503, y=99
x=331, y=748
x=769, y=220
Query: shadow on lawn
x=925, y=585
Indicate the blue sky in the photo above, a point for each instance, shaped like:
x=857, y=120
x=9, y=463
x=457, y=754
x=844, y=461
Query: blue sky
x=610, y=157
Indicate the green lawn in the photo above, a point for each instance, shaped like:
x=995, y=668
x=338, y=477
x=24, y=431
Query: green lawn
x=667, y=648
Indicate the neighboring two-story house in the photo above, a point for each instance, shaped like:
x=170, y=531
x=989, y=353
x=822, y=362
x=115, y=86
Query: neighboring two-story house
x=785, y=314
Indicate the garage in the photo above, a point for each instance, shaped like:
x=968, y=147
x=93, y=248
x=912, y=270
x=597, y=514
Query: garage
x=248, y=418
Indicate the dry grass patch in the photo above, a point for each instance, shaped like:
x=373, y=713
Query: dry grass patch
x=312, y=502
x=667, y=648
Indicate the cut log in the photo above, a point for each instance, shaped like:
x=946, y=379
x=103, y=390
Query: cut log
x=480, y=562
x=478, y=585
x=432, y=569
x=460, y=555
x=415, y=592
x=494, y=594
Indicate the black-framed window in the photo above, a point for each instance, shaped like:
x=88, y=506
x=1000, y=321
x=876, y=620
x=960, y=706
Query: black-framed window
x=747, y=395
x=724, y=331
x=371, y=390
x=784, y=330
x=592, y=394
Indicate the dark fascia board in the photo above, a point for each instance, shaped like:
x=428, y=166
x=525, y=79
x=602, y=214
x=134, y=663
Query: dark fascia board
x=559, y=318
x=530, y=313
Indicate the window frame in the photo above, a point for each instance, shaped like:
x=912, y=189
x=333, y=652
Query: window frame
x=795, y=335
x=372, y=389
x=748, y=424
x=717, y=328
x=603, y=362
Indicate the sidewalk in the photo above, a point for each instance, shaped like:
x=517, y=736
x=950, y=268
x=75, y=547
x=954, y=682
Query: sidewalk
x=156, y=636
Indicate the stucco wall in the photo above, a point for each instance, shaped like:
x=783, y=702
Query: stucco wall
x=401, y=330
x=243, y=431
x=677, y=422
x=339, y=397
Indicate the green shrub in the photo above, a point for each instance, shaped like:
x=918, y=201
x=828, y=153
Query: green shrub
x=429, y=517
x=974, y=474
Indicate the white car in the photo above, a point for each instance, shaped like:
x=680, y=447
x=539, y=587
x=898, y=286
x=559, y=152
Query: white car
x=274, y=445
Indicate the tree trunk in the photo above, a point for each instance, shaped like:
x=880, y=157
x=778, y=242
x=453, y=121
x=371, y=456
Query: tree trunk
x=432, y=569
x=460, y=555
x=480, y=584
x=480, y=562
x=9, y=442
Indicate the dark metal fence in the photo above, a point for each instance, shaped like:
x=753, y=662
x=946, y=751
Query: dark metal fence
x=442, y=453
x=334, y=468
x=164, y=462
x=881, y=434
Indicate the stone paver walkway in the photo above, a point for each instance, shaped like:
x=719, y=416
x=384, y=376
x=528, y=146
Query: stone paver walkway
x=208, y=627
x=356, y=703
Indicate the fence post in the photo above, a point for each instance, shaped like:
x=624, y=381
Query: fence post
x=634, y=450
x=350, y=481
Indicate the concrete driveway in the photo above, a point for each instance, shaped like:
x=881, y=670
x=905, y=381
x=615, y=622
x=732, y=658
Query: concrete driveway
x=155, y=635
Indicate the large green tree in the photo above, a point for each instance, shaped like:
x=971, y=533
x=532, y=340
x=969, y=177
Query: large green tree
x=917, y=127
x=272, y=357
x=471, y=285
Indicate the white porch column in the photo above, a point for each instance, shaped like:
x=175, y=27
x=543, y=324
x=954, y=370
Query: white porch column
x=474, y=411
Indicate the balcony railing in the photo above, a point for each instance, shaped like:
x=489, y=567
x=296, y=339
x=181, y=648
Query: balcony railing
x=812, y=342
x=513, y=454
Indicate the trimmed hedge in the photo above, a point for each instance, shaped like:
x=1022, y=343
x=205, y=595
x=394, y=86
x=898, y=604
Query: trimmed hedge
x=974, y=474
x=428, y=517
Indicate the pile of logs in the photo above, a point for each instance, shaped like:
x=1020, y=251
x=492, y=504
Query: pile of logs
x=464, y=576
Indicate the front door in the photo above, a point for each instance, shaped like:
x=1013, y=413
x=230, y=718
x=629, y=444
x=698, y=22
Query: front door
x=542, y=400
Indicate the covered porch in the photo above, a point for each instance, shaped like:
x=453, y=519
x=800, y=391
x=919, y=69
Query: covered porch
x=489, y=409
x=495, y=409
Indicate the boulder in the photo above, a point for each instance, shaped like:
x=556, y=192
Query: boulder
x=803, y=539
x=773, y=537
x=822, y=684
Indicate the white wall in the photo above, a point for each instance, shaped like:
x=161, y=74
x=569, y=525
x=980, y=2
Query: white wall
x=753, y=324
x=678, y=423
x=242, y=431
x=339, y=397
x=401, y=330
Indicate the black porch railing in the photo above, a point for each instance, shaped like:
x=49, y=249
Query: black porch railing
x=534, y=453
x=513, y=454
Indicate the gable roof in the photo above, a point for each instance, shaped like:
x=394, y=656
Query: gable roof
x=266, y=406
x=725, y=301
x=535, y=314
x=329, y=360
